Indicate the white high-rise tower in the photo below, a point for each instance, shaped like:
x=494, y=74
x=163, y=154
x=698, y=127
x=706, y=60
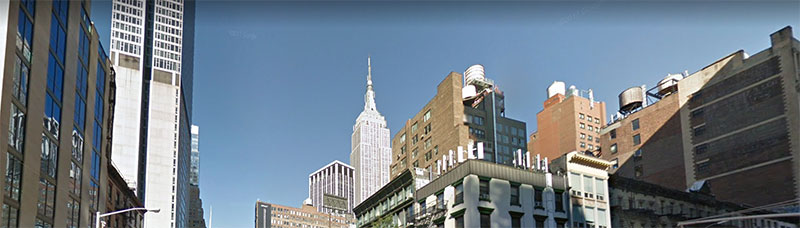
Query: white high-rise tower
x=371, y=152
x=152, y=47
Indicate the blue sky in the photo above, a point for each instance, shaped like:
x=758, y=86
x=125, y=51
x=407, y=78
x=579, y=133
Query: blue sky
x=278, y=85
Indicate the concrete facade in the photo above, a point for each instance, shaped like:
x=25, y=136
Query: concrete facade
x=152, y=45
x=450, y=120
x=334, y=179
x=587, y=181
x=278, y=216
x=568, y=122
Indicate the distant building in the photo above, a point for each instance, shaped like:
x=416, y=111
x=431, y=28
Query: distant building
x=460, y=114
x=587, y=180
x=331, y=188
x=276, y=216
x=57, y=101
x=640, y=204
x=370, y=150
x=393, y=204
x=733, y=124
x=570, y=121
x=196, y=219
x=120, y=197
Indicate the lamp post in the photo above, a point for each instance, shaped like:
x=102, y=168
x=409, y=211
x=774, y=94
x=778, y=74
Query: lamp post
x=98, y=215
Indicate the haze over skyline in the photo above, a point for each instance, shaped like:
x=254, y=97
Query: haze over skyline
x=289, y=78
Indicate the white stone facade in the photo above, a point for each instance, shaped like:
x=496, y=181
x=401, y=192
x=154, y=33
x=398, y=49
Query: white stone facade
x=371, y=152
x=334, y=179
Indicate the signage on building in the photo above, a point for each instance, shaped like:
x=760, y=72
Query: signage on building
x=334, y=202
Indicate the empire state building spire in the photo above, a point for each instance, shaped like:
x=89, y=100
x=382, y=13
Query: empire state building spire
x=369, y=98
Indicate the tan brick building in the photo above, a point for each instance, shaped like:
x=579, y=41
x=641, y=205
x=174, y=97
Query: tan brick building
x=452, y=119
x=570, y=121
x=276, y=216
x=737, y=119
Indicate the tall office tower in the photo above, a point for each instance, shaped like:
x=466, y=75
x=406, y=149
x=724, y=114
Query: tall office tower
x=459, y=115
x=570, y=121
x=195, y=203
x=737, y=120
x=57, y=103
x=331, y=188
x=370, y=154
x=152, y=47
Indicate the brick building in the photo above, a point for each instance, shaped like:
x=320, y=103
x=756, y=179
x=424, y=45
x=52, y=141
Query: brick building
x=120, y=197
x=459, y=114
x=570, y=121
x=737, y=119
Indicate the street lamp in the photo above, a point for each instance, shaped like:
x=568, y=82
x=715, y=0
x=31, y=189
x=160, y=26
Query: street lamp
x=98, y=215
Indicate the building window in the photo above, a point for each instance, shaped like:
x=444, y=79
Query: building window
x=698, y=131
x=414, y=153
x=477, y=132
x=638, y=154
x=486, y=220
x=49, y=156
x=580, y=116
x=427, y=129
x=583, y=145
x=403, y=138
x=47, y=198
x=596, y=120
x=459, y=194
x=591, y=128
x=20, y=89
x=600, y=190
x=583, y=136
x=403, y=150
x=703, y=166
x=637, y=139
x=440, y=204
x=700, y=149
x=538, y=198
x=516, y=221
x=460, y=221
x=427, y=116
x=582, y=126
x=635, y=124
x=428, y=156
x=414, y=128
x=697, y=113
x=16, y=128
x=613, y=148
x=616, y=163
x=590, y=138
x=73, y=213
x=484, y=190
x=414, y=140
x=416, y=164
x=638, y=172
x=75, y=179
x=559, y=201
x=9, y=217
x=428, y=143
x=13, y=177
x=515, y=194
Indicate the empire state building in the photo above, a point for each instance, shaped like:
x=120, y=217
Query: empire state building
x=371, y=152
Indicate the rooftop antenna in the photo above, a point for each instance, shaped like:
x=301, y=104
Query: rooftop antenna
x=210, y=215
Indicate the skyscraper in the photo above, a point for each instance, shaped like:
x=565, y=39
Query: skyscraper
x=57, y=110
x=152, y=46
x=371, y=153
x=331, y=188
x=195, y=203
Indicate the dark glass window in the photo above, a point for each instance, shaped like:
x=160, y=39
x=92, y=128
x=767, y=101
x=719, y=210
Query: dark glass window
x=613, y=134
x=538, y=198
x=440, y=204
x=460, y=222
x=73, y=213
x=13, y=177
x=49, y=156
x=20, y=90
x=47, y=194
x=58, y=38
x=516, y=221
x=55, y=77
x=559, y=201
x=637, y=139
x=10, y=216
x=459, y=194
x=613, y=148
x=635, y=124
x=698, y=131
x=486, y=220
x=77, y=145
x=75, y=179
x=700, y=149
x=515, y=194
x=16, y=128
x=484, y=189
x=95, y=170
